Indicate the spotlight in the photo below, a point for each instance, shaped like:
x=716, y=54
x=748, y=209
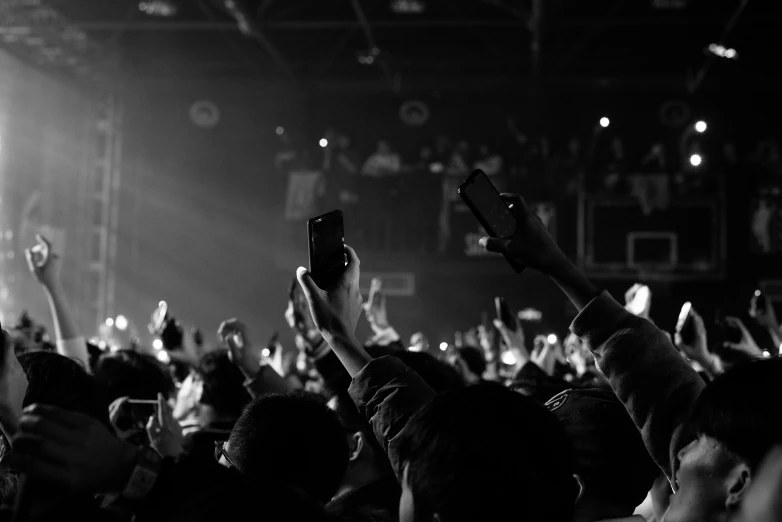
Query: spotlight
x=279, y=131
x=121, y=322
x=323, y=143
x=701, y=126
x=604, y=122
x=443, y=346
x=163, y=357
x=109, y=322
x=731, y=54
x=757, y=293
x=508, y=358
x=766, y=353
x=723, y=52
x=157, y=344
x=552, y=339
x=696, y=160
x=266, y=352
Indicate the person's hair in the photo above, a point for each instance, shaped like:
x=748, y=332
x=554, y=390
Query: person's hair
x=127, y=373
x=473, y=358
x=223, y=384
x=56, y=380
x=294, y=436
x=739, y=408
x=471, y=449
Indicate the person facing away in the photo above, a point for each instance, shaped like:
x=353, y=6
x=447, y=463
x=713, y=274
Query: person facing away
x=383, y=162
x=292, y=438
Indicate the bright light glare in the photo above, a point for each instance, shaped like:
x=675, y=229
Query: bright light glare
x=604, y=122
x=266, y=352
x=696, y=160
x=766, y=353
x=157, y=344
x=324, y=142
x=552, y=339
x=121, y=322
x=701, y=126
x=757, y=293
x=279, y=131
x=443, y=346
x=508, y=358
x=163, y=357
x=109, y=322
x=730, y=53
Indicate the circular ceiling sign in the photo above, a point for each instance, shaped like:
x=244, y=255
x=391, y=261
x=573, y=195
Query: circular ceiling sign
x=675, y=113
x=414, y=113
x=204, y=114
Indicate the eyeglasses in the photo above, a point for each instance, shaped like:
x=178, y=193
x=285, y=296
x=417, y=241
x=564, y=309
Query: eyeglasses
x=220, y=452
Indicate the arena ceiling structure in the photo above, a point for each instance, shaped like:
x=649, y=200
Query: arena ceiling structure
x=395, y=44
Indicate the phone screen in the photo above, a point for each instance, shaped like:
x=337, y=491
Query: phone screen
x=487, y=205
x=683, y=314
x=327, y=248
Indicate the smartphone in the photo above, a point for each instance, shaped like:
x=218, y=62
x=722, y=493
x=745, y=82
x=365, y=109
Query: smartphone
x=639, y=301
x=488, y=207
x=136, y=414
x=326, y=238
x=165, y=326
x=684, y=324
x=504, y=314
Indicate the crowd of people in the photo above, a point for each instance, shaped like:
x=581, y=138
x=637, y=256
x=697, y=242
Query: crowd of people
x=620, y=421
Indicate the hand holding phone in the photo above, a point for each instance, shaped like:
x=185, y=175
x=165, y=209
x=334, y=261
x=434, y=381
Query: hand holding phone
x=513, y=229
x=685, y=326
x=326, y=239
x=638, y=300
x=504, y=314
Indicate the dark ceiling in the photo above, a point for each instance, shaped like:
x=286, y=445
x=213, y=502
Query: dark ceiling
x=321, y=42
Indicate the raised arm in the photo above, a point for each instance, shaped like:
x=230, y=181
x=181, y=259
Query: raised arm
x=44, y=264
x=336, y=312
x=655, y=383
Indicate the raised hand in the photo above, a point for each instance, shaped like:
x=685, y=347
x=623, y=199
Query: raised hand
x=71, y=451
x=335, y=311
x=531, y=244
x=242, y=352
x=514, y=341
x=165, y=433
x=747, y=343
x=375, y=307
x=43, y=262
x=698, y=349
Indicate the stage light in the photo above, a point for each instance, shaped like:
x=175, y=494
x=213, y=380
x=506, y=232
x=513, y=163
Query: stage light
x=552, y=339
x=279, y=131
x=323, y=143
x=731, y=54
x=508, y=358
x=696, y=160
x=163, y=357
x=121, y=322
x=109, y=322
x=723, y=52
x=162, y=8
x=604, y=122
x=266, y=352
x=701, y=126
x=443, y=346
x=757, y=293
x=157, y=344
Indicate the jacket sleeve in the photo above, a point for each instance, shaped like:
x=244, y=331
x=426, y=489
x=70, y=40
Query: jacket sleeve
x=647, y=373
x=387, y=393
